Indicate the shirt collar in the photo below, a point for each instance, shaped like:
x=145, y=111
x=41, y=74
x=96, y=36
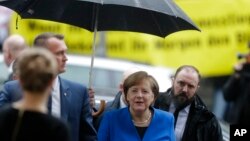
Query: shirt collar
x=10, y=68
x=55, y=84
x=172, y=108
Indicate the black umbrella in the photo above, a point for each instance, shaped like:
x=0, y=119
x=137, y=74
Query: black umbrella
x=156, y=17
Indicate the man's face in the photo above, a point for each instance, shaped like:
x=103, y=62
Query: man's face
x=185, y=85
x=58, y=48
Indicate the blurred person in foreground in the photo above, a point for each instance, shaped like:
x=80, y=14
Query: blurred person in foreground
x=12, y=46
x=119, y=100
x=193, y=121
x=69, y=100
x=139, y=120
x=237, y=91
x=27, y=119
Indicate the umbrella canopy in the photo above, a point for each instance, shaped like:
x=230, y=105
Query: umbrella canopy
x=156, y=17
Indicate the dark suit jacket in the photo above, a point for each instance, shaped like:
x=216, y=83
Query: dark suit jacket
x=75, y=108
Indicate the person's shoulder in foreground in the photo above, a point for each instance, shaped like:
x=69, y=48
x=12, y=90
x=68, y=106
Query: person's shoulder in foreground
x=33, y=126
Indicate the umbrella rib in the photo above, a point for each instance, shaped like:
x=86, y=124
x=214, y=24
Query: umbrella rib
x=157, y=24
x=170, y=6
x=137, y=3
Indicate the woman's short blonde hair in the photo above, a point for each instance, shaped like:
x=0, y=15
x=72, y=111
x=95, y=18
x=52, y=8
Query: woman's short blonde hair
x=36, y=68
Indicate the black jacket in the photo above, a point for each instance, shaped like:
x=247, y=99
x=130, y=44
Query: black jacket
x=237, y=91
x=201, y=124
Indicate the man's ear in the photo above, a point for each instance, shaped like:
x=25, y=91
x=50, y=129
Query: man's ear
x=197, y=90
x=9, y=57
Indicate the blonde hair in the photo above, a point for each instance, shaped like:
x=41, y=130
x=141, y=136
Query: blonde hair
x=36, y=68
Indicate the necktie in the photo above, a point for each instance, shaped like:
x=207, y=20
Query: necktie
x=176, y=113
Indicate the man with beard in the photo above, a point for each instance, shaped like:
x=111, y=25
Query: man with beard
x=193, y=121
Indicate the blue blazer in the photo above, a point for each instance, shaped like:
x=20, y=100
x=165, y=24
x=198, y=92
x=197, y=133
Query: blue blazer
x=117, y=125
x=75, y=108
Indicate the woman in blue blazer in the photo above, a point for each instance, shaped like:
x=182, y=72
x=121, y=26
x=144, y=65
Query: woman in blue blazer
x=139, y=121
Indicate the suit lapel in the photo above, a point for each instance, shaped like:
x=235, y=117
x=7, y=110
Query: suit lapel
x=65, y=94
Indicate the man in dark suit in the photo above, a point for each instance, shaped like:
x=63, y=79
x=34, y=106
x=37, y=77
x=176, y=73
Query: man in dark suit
x=69, y=100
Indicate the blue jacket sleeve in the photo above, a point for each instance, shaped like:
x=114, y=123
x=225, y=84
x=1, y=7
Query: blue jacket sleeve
x=11, y=92
x=4, y=96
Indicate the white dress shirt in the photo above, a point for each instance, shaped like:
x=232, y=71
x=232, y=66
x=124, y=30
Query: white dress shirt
x=56, y=101
x=181, y=120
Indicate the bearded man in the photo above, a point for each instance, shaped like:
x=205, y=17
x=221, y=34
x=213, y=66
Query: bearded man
x=193, y=121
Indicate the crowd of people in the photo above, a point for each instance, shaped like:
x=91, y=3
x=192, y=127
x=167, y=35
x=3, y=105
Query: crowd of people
x=61, y=109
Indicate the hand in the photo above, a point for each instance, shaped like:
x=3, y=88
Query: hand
x=91, y=97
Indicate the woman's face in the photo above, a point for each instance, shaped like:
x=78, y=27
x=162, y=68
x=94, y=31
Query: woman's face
x=140, y=96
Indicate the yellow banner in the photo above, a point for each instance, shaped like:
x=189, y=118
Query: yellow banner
x=79, y=41
x=225, y=31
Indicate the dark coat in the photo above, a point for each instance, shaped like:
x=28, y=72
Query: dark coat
x=237, y=91
x=201, y=125
x=115, y=104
